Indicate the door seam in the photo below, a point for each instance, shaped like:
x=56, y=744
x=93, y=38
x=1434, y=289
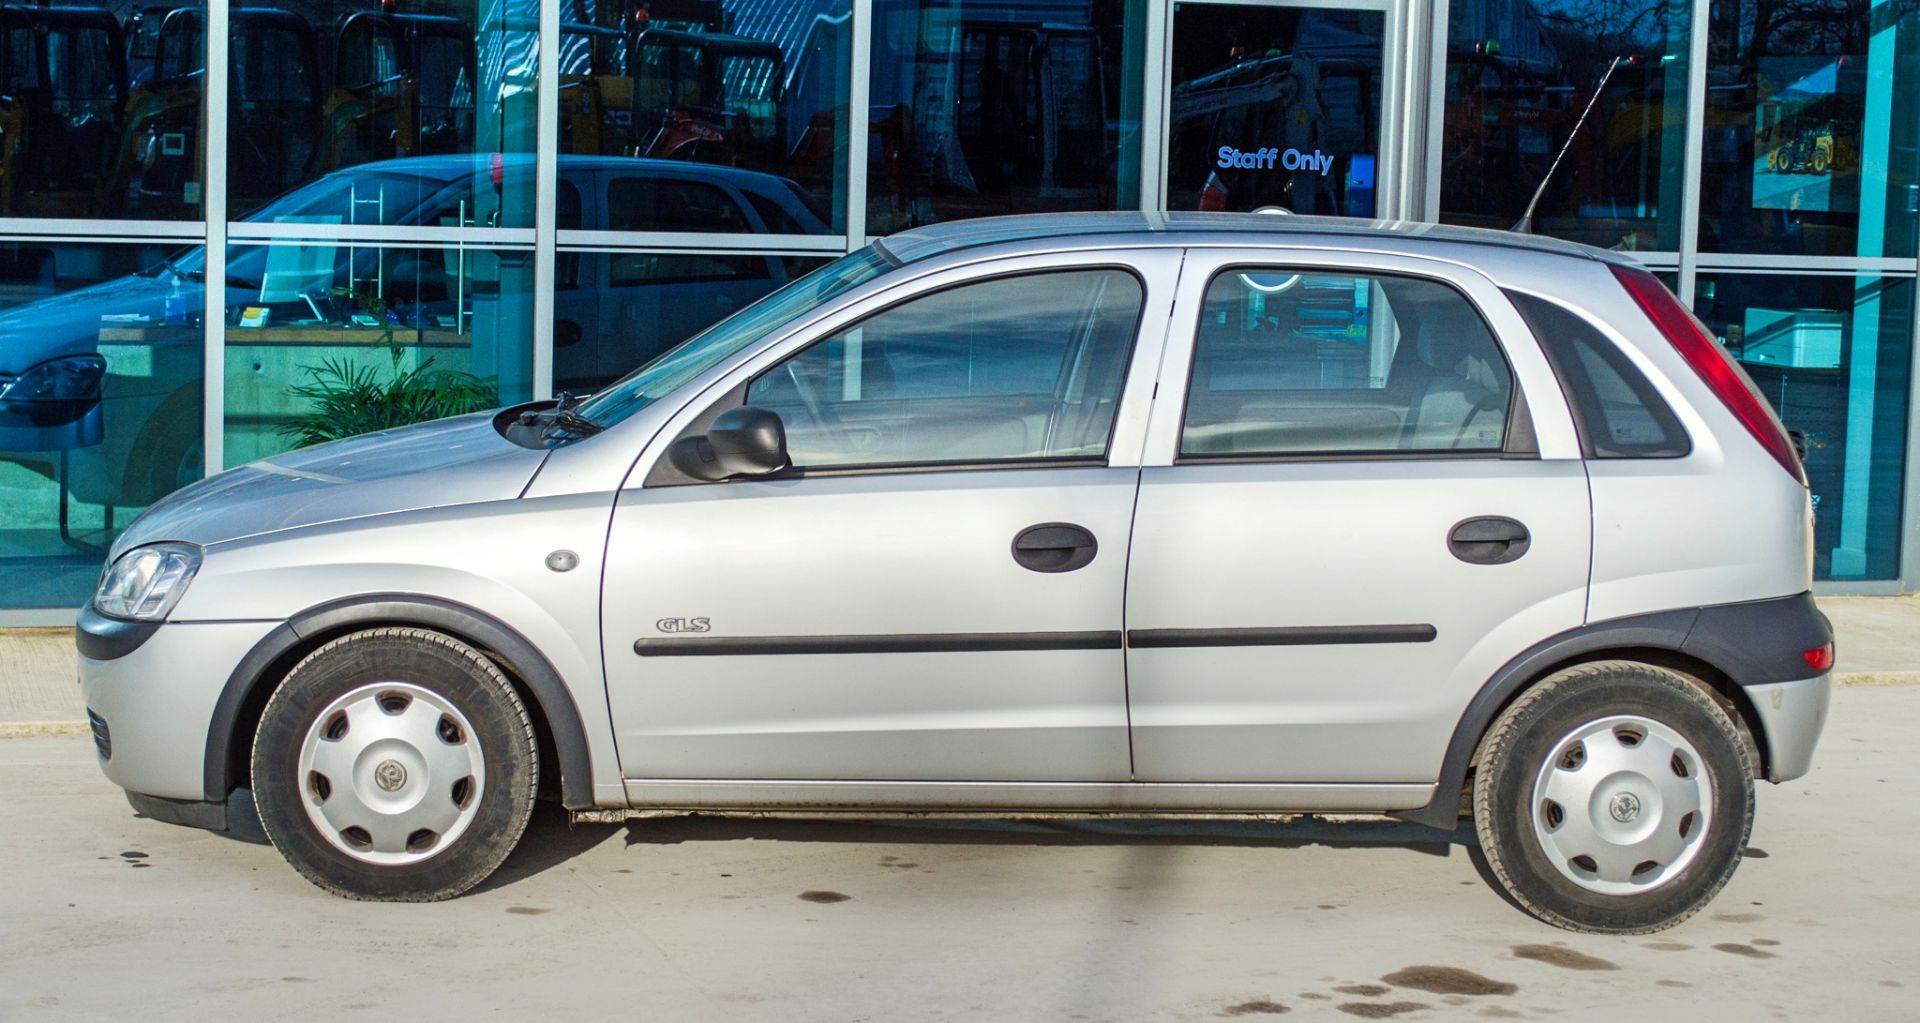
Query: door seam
x=1126, y=659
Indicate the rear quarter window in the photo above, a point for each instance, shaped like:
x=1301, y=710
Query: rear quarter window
x=1617, y=411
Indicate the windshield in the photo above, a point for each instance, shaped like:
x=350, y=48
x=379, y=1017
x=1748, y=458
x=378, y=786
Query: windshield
x=707, y=349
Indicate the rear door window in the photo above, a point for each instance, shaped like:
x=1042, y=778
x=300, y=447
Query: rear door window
x=1293, y=362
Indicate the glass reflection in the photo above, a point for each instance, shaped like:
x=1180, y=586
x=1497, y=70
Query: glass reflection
x=1519, y=74
x=750, y=84
x=1810, y=140
x=99, y=412
x=81, y=137
x=987, y=108
x=329, y=340
x=317, y=86
x=595, y=193
x=614, y=311
x=1832, y=353
x=1275, y=106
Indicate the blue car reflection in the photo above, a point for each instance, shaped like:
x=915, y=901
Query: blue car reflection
x=101, y=386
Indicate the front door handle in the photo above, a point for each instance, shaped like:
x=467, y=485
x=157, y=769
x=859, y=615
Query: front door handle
x=1054, y=547
x=1489, y=540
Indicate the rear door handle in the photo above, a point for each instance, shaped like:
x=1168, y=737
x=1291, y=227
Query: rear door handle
x=1054, y=547
x=1489, y=540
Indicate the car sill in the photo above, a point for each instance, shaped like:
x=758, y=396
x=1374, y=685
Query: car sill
x=962, y=796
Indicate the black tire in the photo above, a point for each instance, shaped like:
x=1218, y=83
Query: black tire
x=1514, y=753
x=166, y=455
x=451, y=671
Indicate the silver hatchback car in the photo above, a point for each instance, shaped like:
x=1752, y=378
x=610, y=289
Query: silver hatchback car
x=1112, y=514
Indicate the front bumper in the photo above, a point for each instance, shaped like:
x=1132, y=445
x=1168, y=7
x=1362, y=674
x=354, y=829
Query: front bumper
x=1792, y=714
x=157, y=702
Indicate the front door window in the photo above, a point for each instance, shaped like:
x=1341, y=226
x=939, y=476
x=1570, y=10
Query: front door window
x=1015, y=369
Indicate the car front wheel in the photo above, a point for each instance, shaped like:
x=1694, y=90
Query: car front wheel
x=395, y=764
x=1613, y=797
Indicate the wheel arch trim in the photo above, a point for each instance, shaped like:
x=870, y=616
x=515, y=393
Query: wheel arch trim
x=296, y=635
x=1725, y=638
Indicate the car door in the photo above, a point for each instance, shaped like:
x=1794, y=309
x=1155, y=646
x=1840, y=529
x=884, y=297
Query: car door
x=1363, y=496
x=933, y=592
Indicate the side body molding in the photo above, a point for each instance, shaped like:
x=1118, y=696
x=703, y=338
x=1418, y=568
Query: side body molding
x=1753, y=643
x=517, y=656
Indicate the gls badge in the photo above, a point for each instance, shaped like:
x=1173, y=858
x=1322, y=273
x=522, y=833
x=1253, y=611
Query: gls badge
x=678, y=625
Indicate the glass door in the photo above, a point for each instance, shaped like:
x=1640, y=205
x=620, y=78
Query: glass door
x=1282, y=103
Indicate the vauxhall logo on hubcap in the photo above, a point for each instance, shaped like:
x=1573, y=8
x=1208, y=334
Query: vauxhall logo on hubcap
x=390, y=776
x=1624, y=807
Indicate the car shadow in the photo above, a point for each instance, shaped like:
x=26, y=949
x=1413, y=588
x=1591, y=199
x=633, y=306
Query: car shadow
x=552, y=838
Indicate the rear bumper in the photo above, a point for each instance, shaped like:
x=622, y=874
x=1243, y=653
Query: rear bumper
x=1792, y=714
x=1759, y=642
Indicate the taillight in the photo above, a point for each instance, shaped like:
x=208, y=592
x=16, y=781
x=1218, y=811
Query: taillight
x=1820, y=658
x=1715, y=367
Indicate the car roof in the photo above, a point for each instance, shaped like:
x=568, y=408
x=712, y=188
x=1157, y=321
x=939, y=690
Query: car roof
x=1204, y=229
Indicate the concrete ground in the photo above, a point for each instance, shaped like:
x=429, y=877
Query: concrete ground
x=1877, y=639
x=107, y=916
x=37, y=680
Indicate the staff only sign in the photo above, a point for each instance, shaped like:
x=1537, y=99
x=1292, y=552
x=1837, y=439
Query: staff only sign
x=1264, y=159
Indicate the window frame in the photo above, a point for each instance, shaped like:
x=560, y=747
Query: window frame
x=663, y=474
x=1519, y=441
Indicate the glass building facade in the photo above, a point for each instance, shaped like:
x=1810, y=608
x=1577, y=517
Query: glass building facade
x=230, y=230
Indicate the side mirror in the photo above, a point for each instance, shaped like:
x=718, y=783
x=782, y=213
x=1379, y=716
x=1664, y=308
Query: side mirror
x=745, y=441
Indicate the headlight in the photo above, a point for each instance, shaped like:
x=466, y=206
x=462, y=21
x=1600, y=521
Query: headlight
x=145, y=583
x=75, y=378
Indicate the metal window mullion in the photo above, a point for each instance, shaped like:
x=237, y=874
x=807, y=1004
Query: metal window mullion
x=1658, y=261
x=1156, y=66
x=1740, y=262
x=655, y=250
x=696, y=241
x=353, y=244
x=546, y=194
x=213, y=199
x=1436, y=85
x=1692, y=150
x=383, y=234
x=1393, y=179
x=81, y=229
x=859, y=101
x=1909, y=562
x=104, y=234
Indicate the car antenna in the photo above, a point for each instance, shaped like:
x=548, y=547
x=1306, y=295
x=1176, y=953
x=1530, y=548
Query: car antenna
x=1525, y=224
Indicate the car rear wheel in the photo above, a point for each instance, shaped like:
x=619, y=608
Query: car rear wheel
x=395, y=764
x=1613, y=797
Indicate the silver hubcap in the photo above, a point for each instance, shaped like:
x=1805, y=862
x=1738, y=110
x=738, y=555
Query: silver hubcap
x=1622, y=805
x=391, y=773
